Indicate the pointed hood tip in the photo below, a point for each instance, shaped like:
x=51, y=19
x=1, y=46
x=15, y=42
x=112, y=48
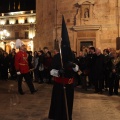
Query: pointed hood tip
x=65, y=44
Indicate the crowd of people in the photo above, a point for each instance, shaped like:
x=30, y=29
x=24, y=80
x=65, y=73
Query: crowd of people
x=39, y=65
x=98, y=69
x=92, y=69
x=7, y=65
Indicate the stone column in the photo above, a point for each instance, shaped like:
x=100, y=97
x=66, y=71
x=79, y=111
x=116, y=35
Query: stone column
x=45, y=16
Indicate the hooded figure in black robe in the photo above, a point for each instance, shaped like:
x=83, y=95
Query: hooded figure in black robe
x=63, y=70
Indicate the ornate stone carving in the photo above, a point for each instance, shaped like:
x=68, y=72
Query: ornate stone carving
x=84, y=11
x=77, y=17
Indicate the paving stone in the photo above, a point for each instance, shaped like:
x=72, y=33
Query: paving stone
x=87, y=105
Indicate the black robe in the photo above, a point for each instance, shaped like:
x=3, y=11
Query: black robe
x=57, y=107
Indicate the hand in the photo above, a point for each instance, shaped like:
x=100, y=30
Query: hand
x=79, y=72
x=61, y=72
x=18, y=73
x=114, y=70
x=71, y=64
x=31, y=70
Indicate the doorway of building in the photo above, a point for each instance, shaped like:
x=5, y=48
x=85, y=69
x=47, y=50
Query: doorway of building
x=84, y=44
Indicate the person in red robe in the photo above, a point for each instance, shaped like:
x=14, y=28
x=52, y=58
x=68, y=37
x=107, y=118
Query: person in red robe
x=22, y=68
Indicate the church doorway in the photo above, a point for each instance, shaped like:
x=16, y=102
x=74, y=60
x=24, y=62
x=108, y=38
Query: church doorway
x=85, y=44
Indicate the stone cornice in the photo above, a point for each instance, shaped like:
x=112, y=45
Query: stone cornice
x=86, y=27
x=83, y=1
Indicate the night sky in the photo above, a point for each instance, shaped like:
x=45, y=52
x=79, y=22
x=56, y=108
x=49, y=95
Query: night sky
x=17, y=5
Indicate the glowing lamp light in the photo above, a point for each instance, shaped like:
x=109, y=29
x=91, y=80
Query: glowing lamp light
x=4, y=34
x=12, y=44
x=12, y=21
x=31, y=34
x=4, y=31
x=21, y=20
x=7, y=34
x=2, y=21
x=2, y=45
x=30, y=45
x=16, y=13
x=31, y=19
x=31, y=11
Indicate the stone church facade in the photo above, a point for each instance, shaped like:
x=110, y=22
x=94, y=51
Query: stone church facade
x=89, y=22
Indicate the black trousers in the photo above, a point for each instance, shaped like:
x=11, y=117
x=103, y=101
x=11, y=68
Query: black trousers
x=41, y=75
x=113, y=84
x=83, y=81
x=91, y=78
x=28, y=80
x=4, y=73
x=12, y=72
x=106, y=79
x=99, y=83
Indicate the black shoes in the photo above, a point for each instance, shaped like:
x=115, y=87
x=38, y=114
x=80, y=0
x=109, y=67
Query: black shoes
x=106, y=89
x=34, y=91
x=113, y=93
x=96, y=91
x=40, y=82
x=101, y=92
x=110, y=94
x=21, y=93
x=116, y=92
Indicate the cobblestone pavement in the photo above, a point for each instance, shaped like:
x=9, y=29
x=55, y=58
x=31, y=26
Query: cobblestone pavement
x=87, y=105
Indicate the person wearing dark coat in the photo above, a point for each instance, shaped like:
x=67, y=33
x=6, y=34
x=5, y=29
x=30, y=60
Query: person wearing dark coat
x=46, y=50
x=40, y=66
x=99, y=71
x=107, y=59
x=82, y=62
x=47, y=64
x=4, y=66
x=62, y=70
x=91, y=56
x=35, y=63
x=1, y=56
x=57, y=108
x=114, y=73
x=12, y=66
x=30, y=63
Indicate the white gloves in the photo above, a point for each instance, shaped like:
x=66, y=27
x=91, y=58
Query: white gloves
x=54, y=73
x=18, y=73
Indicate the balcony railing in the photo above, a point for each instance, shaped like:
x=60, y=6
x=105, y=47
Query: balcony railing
x=18, y=13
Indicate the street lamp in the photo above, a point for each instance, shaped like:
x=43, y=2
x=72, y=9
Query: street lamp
x=4, y=34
